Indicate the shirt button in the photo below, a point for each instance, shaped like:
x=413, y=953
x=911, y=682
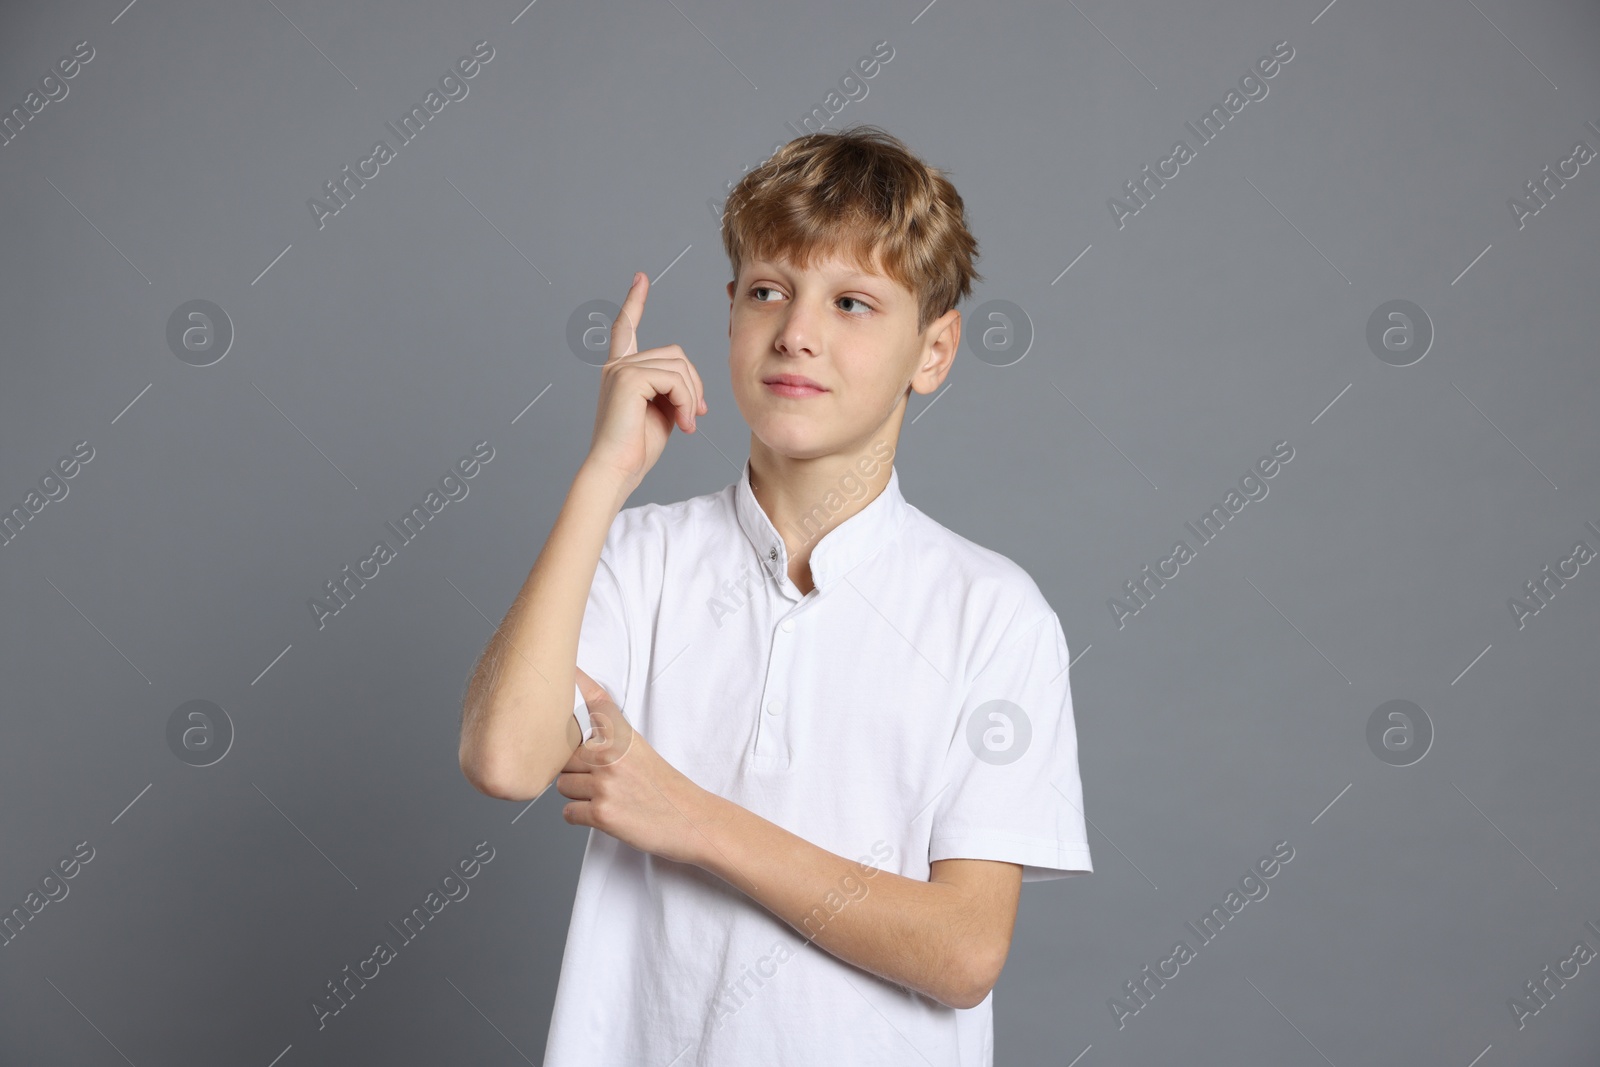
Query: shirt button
x=775, y=707
x=773, y=555
x=787, y=625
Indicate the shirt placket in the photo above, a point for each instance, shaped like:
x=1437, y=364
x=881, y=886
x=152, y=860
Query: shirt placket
x=772, y=732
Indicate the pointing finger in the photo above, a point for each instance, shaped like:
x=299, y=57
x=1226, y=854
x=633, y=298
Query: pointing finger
x=625, y=330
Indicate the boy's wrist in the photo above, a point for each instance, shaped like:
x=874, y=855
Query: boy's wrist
x=711, y=816
x=601, y=479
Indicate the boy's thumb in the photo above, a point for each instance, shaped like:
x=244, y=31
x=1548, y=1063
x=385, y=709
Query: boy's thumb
x=612, y=734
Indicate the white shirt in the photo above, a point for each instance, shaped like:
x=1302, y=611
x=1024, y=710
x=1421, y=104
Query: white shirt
x=856, y=716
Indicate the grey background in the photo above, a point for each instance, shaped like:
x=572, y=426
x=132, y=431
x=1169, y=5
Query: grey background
x=1228, y=315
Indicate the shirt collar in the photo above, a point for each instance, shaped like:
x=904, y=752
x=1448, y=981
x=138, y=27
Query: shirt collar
x=841, y=547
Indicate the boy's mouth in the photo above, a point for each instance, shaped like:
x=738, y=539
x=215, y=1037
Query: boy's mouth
x=793, y=385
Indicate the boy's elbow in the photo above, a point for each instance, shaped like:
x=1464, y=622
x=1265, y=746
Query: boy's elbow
x=476, y=775
x=509, y=791
x=518, y=779
x=500, y=788
x=483, y=773
x=979, y=973
x=969, y=996
x=493, y=781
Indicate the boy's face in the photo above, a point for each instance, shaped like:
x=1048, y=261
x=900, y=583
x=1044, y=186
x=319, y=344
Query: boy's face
x=853, y=333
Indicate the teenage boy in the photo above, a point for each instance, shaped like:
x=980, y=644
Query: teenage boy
x=860, y=729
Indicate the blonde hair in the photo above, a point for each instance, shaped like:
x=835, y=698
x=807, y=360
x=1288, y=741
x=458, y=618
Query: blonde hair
x=859, y=193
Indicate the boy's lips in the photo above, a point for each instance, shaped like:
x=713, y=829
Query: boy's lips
x=793, y=385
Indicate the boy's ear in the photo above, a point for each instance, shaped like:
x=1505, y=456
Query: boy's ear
x=944, y=337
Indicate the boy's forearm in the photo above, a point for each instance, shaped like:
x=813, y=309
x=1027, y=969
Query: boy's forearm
x=517, y=728
x=910, y=932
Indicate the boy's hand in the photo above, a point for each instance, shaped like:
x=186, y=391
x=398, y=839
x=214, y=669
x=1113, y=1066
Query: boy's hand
x=642, y=394
x=620, y=785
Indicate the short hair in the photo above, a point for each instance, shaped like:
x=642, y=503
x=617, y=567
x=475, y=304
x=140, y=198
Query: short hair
x=862, y=194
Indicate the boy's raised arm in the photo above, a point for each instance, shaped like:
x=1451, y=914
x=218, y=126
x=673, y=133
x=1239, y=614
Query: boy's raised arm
x=517, y=726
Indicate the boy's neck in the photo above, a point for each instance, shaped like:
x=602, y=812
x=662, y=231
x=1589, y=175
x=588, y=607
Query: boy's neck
x=798, y=496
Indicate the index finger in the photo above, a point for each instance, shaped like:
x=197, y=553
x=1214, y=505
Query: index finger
x=625, y=330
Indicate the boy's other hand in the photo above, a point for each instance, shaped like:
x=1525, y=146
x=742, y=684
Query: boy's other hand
x=642, y=394
x=619, y=784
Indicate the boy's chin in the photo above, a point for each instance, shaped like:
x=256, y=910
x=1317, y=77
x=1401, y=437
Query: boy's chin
x=794, y=442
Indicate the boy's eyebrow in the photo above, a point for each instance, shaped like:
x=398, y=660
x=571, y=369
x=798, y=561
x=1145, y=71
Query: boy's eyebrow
x=846, y=275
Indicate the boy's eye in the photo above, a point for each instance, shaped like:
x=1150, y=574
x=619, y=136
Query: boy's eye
x=757, y=290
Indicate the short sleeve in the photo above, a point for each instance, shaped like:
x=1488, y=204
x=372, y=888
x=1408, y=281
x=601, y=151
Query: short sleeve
x=1011, y=789
x=604, y=649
